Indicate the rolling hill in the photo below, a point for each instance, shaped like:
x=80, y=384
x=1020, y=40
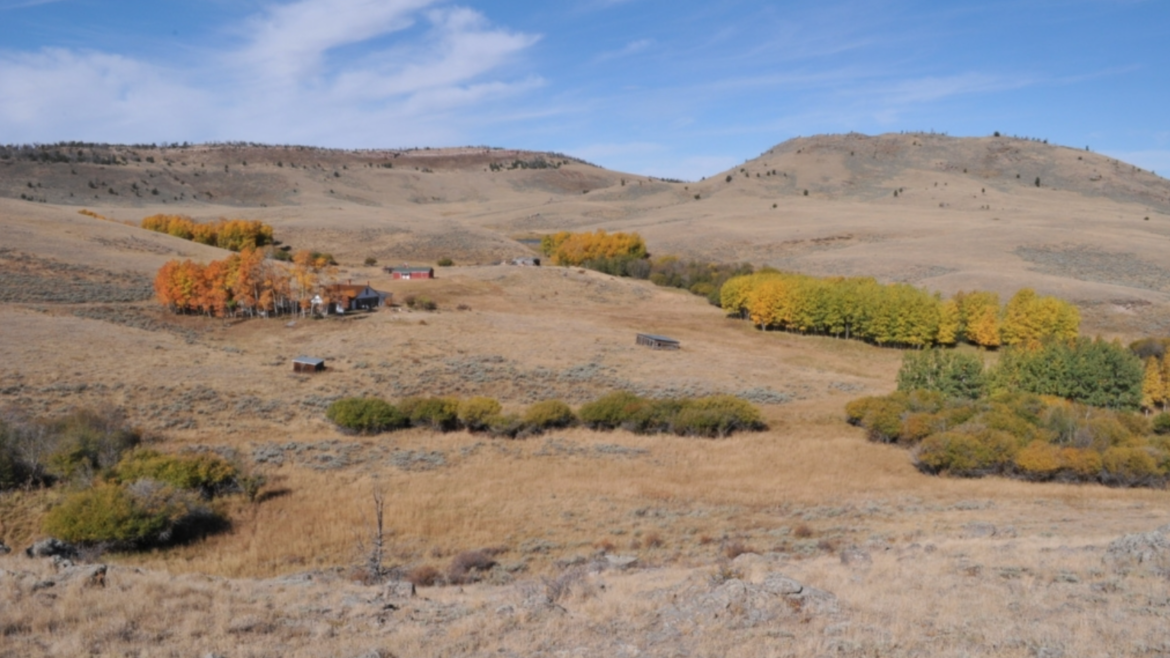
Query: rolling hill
x=919, y=564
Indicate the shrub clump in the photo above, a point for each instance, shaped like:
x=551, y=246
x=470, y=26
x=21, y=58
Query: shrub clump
x=206, y=473
x=437, y=413
x=1019, y=435
x=1161, y=424
x=149, y=499
x=548, y=414
x=712, y=416
x=476, y=413
x=110, y=514
x=420, y=303
x=366, y=415
x=74, y=447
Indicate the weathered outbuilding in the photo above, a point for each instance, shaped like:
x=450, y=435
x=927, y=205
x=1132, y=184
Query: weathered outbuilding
x=526, y=261
x=410, y=273
x=308, y=364
x=657, y=342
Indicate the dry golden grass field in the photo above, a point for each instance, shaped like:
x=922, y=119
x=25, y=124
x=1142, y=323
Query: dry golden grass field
x=914, y=565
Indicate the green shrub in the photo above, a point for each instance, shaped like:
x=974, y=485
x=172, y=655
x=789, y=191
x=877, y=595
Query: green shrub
x=717, y=416
x=964, y=453
x=439, y=414
x=653, y=416
x=107, y=513
x=1130, y=467
x=366, y=415
x=883, y=419
x=548, y=414
x=474, y=413
x=917, y=426
x=418, y=302
x=206, y=473
x=370, y=261
x=146, y=513
x=1161, y=424
x=713, y=416
x=507, y=425
x=609, y=411
x=855, y=410
x=445, y=262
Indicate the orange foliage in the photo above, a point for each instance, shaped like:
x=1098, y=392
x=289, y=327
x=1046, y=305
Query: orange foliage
x=241, y=283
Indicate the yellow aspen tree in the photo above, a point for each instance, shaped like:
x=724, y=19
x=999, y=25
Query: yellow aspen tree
x=948, y=322
x=979, y=316
x=1023, y=322
x=1068, y=320
x=764, y=301
x=1166, y=379
x=984, y=329
x=1153, y=388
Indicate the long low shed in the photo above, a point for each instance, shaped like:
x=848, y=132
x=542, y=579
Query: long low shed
x=657, y=342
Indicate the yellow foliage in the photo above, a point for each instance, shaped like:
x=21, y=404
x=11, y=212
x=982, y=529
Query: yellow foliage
x=1084, y=462
x=1153, y=385
x=948, y=322
x=1029, y=319
x=1039, y=459
x=567, y=248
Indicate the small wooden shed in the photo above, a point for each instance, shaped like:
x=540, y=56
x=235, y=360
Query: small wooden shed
x=308, y=364
x=657, y=342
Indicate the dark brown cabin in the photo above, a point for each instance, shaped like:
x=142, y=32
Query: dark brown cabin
x=308, y=364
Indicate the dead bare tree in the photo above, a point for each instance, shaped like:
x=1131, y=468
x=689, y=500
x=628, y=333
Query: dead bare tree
x=374, y=559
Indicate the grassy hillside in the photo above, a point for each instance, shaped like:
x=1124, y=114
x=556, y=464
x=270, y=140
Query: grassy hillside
x=1005, y=565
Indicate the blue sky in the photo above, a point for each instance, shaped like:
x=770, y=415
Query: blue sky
x=677, y=88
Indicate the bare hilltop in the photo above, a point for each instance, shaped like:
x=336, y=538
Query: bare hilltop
x=803, y=539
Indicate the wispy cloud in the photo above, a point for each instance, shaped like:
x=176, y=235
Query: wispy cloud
x=632, y=48
x=419, y=60
x=24, y=4
x=292, y=40
x=933, y=88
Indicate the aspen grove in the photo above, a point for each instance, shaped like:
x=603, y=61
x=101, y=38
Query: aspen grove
x=895, y=314
x=245, y=283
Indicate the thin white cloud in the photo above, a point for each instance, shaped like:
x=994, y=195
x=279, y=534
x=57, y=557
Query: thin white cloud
x=934, y=88
x=632, y=48
x=291, y=40
x=66, y=94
